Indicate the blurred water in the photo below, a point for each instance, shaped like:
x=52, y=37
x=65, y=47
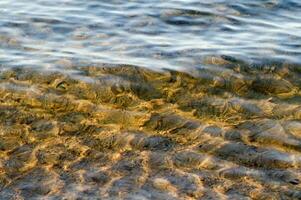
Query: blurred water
x=156, y=34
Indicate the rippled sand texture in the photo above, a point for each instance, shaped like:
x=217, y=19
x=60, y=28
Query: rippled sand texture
x=123, y=132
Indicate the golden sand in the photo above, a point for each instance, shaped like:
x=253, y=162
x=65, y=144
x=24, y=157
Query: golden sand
x=123, y=132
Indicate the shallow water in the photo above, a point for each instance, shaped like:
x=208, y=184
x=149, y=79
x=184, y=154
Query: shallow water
x=150, y=99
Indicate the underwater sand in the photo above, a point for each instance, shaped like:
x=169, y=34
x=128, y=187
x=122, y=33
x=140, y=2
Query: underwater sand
x=125, y=132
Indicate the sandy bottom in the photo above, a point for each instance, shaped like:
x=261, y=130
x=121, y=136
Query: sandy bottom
x=123, y=132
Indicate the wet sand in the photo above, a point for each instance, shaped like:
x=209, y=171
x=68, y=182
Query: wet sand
x=124, y=132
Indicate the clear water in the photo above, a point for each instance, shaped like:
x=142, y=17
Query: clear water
x=150, y=99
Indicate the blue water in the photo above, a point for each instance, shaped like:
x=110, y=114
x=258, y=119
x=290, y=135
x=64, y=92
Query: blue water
x=151, y=33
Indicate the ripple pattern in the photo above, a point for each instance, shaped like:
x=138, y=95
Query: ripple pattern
x=173, y=34
x=125, y=132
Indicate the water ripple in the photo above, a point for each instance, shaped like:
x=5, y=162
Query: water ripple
x=133, y=32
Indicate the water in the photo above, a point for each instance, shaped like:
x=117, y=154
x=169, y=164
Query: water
x=156, y=34
x=150, y=99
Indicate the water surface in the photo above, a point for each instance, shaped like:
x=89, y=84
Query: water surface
x=156, y=34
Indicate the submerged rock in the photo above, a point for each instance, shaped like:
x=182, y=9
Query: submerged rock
x=273, y=86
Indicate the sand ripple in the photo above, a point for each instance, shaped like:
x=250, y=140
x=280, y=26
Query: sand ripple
x=124, y=132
